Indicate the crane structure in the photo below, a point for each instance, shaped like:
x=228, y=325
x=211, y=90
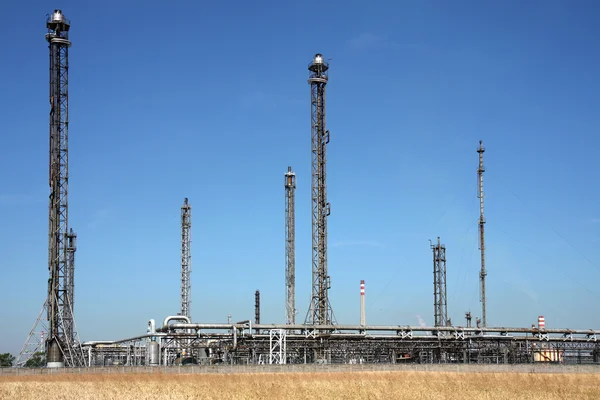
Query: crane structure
x=62, y=345
x=440, y=302
x=186, y=258
x=320, y=311
x=290, y=246
x=483, y=272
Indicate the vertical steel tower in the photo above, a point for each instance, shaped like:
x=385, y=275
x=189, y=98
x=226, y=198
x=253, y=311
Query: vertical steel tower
x=71, y=249
x=440, y=305
x=257, y=307
x=319, y=312
x=186, y=258
x=61, y=346
x=290, y=247
x=483, y=272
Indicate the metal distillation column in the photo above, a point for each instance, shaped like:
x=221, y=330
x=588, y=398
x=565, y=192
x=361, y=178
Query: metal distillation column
x=186, y=258
x=483, y=272
x=319, y=312
x=60, y=347
x=290, y=247
x=440, y=305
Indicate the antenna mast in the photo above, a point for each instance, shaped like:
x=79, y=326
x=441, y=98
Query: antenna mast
x=483, y=272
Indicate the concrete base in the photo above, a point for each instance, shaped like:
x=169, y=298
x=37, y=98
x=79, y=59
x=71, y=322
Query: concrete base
x=56, y=364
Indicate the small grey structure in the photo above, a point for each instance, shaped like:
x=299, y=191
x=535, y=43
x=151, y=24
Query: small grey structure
x=186, y=258
x=320, y=311
x=290, y=246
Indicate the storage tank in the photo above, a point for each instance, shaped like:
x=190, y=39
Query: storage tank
x=153, y=353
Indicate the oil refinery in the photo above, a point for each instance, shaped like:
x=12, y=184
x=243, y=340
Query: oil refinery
x=318, y=338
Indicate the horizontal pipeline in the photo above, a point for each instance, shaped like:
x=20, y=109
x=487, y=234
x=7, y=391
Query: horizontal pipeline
x=375, y=328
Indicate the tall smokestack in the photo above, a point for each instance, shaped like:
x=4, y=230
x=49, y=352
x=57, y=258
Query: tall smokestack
x=362, y=303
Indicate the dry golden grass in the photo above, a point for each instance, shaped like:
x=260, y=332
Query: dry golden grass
x=334, y=385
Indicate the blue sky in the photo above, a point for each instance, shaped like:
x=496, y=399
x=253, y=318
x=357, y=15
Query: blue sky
x=210, y=102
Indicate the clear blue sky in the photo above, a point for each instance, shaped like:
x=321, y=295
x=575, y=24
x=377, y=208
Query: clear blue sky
x=210, y=101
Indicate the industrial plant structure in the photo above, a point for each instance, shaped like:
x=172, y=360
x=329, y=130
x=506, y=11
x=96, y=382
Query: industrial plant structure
x=290, y=247
x=186, y=258
x=320, y=339
x=320, y=311
x=440, y=302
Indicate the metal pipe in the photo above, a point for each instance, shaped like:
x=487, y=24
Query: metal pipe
x=176, y=318
x=96, y=342
x=394, y=328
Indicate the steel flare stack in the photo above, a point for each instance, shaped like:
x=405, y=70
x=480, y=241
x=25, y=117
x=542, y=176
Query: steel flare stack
x=186, y=258
x=62, y=344
x=440, y=304
x=320, y=311
x=483, y=272
x=290, y=247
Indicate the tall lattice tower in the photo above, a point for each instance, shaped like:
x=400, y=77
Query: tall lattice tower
x=483, y=272
x=320, y=311
x=62, y=344
x=440, y=304
x=290, y=247
x=186, y=258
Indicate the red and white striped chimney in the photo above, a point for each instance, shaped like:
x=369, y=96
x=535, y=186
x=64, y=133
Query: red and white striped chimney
x=541, y=322
x=362, y=303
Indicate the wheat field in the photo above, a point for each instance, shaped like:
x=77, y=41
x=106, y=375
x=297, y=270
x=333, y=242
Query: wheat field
x=331, y=385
